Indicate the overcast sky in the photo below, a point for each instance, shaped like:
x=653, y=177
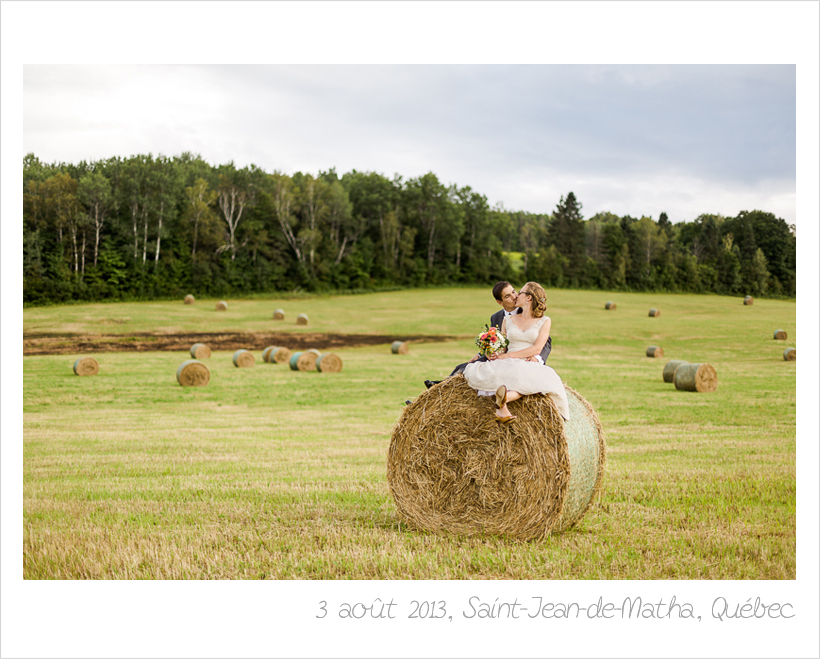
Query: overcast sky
x=636, y=140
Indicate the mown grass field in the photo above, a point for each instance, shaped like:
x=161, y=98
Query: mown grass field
x=271, y=473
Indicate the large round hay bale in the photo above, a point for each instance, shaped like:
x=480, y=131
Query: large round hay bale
x=243, y=359
x=86, y=366
x=452, y=468
x=654, y=313
x=780, y=335
x=329, y=362
x=790, y=354
x=670, y=368
x=400, y=347
x=302, y=319
x=193, y=373
x=696, y=377
x=279, y=355
x=279, y=315
x=222, y=306
x=748, y=300
x=189, y=299
x=200, y=351
x=654, y=351
x=303, y=360
x=611, y=306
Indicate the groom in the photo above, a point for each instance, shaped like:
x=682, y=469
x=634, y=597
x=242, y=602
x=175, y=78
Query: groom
x=506, y=297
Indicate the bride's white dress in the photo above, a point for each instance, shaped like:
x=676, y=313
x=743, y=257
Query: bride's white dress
x=518, y=374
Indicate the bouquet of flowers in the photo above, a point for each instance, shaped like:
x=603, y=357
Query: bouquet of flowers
x=491, y=341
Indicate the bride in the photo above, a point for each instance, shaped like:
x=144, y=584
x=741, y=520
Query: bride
x=510, y=375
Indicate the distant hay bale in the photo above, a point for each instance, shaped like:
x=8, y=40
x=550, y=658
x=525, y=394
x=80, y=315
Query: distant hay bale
x=654, y=351
x=266, y=353
x=748, y=300
x=86, y=366
x=400, y=347
x=279, y=315
x=200, y=351
x=189, y=299
x=222, y=306
x=654, y=313
x=303, y=361
x=243, y=359
x=302, y=319
x=329, y=363
x=611, y=306
x=193, y=373
x=670, y=368
x=279, y=355
x=790, y=354
x=452, y=468
x=696, y=377
x=780, y=335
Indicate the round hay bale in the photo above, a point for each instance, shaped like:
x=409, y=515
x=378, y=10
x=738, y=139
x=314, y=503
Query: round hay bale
x=654, y=351
x=452, y=468
x=222, y=306
x=302, y=319
x=329, y=363
x=780, y=335
x=266, y=354
x=670, y=368
x=200, y=351
x=695, y=377
x=279, y=355
x=86, y=366
x=654, y=313
x=611, y=306
x=279, y=315
x=243, y=359
x=193, y=373
x=790, y=354
x=303, y=361
x=748, y=300
x=189, y=299
x=400, y=347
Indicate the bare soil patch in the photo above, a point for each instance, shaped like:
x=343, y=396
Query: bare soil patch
x=64, y=344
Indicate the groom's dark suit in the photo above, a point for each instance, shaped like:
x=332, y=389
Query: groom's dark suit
x=496, y=319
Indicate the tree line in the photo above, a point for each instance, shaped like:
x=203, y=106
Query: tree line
x=146, y=227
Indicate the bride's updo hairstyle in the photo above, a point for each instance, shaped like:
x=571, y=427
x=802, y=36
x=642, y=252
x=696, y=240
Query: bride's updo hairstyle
x=538, y=297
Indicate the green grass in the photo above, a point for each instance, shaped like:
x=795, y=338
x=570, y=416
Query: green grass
x=270, y=473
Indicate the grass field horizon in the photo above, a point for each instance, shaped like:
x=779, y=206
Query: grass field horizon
x=271, y=473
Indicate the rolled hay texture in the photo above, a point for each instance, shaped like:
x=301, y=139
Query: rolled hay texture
x=222, y=306
x=670, y=368
x=279, y=355
x=243, y=359
x=654, y=351
x=400, y=347
x=748, y=300
x=790, y=354
x=611, y=306
x=302, y=319
x=193, y=373
x=200, y=351
x=189, y=299
x=780, y=335
x=451, y=468
x=279, y=315
x=329, y=362
x=266, y=354
x=303, y=360
x=654, y=313
x=86, y=366
x=695, y=377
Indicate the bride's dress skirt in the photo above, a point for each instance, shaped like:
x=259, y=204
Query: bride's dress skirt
x=518, y=375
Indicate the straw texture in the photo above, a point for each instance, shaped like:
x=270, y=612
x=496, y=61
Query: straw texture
x=451, y=468
x=654, y=313
x=86, y=366
x=654, y=351
x=243, y=359
x=222, y=306
x=279, y=315
x=189, y=299
x=200, y=351
x=790, y=354
x=303, y=361
x=748, y=300
x=611, y=306
x=329, y=363
x=696, y=377
x=193, y=373
x=670, y=368
x=399, y=348
x=302, y=319
x=780, y=335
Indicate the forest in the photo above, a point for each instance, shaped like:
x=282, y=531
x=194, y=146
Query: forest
x=147, y=227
